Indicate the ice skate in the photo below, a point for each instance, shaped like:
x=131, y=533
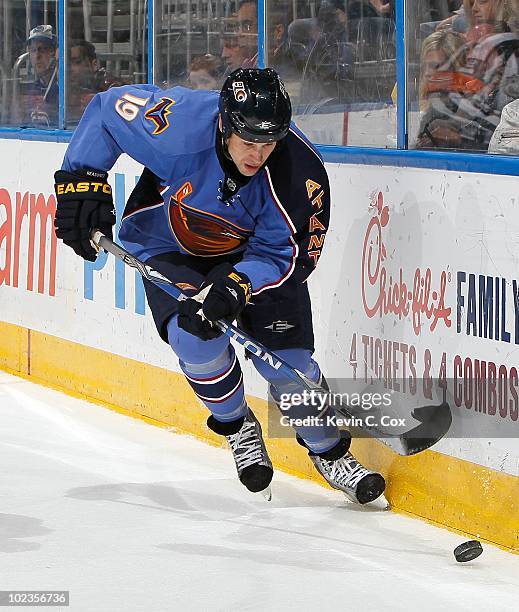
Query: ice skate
x=250, y=455
x=343, y=472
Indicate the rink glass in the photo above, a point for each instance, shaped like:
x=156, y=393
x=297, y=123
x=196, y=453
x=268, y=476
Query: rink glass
x=199, y=46
x=106, y=46
x=28, y=70
x=462, y=71
x=338, y=61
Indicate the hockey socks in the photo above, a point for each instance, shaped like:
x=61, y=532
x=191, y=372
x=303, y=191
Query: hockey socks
x=219, y=384
x=212, y=370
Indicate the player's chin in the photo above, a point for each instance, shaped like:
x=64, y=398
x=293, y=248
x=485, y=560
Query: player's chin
x=248, y=170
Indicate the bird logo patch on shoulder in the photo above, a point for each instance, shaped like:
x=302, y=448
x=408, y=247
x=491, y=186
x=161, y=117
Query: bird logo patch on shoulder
x=158, y=114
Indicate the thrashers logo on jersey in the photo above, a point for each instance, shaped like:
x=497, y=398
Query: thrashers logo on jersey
x=201, y=233
x=158, y=114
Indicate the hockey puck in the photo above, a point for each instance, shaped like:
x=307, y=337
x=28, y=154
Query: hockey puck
x=468, y=551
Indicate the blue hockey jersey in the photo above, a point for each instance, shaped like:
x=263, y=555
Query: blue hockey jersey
x=277, y=219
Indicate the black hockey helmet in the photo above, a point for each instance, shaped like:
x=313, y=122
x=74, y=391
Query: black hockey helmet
x=255, y=105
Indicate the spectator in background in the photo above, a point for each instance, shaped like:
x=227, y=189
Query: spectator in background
x=504, y=69
x=279, y=53
x=492, y=58
x=441, y=62
x=37, y=103
x=41, y=46
x=367, y=9
x=247, y=20
x=83, y=65
x=442, y=86
x=89, y=73
x=86, y=78
x=467, y=116
x=240, y=49
x=240, y=44
x=333, y=19
x=511, y=15
x=328, y=70
x=465, y=20
x=460, y=20
x=232, y=53
x=486, y=38
x=505, y=139
x=206, y=72
x=488, y=17
x=303, y=34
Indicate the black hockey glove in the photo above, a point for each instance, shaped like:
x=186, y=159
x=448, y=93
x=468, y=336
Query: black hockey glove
x=84, y=203
x=230, y=293
x=227, y=297
x=189, y=320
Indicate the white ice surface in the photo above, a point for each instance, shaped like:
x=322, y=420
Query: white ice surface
x=128, y=517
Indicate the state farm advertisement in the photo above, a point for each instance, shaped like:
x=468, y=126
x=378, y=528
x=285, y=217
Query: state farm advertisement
x=44, y=286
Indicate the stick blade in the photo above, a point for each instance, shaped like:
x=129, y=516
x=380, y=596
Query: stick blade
x=433, y=423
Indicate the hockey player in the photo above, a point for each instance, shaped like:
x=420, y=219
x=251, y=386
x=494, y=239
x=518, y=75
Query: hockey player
x=233, y=206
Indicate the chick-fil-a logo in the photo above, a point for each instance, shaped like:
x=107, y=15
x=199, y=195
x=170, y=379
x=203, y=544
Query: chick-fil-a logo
x=388, y=296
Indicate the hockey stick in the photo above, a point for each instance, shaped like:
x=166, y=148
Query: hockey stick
x=433, y=421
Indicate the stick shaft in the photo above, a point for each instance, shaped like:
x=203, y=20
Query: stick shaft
x=434, y=421
x=253, y=346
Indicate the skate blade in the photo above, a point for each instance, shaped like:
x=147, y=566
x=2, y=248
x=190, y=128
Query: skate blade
x=380, y=503
x=350, y=498
x=267, y=493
